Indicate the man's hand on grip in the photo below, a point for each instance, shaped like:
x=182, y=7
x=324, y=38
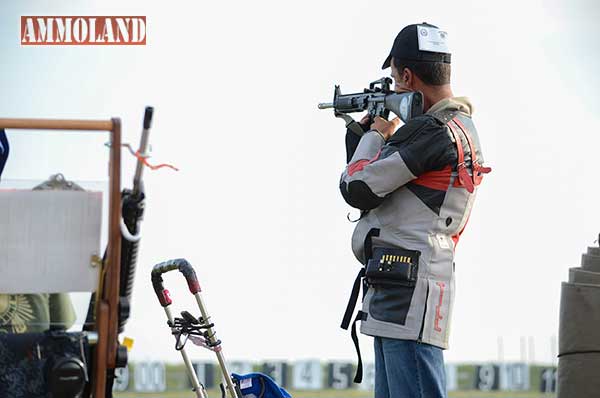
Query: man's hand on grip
x=384, y=127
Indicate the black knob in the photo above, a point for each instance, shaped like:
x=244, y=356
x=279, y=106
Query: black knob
x=148, y=117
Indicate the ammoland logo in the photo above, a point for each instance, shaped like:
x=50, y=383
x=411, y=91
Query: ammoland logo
x=83, y=30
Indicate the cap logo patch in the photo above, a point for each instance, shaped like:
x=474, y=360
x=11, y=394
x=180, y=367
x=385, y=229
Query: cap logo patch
x=432, y=40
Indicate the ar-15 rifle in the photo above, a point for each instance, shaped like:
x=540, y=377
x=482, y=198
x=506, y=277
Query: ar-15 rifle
x=133, y=202
x=377, y=100
x=132, y=210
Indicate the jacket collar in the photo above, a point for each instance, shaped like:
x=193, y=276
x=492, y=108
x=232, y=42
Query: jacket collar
x=461, y=104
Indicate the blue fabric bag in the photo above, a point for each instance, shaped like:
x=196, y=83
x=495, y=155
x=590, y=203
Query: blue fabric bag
x=258, y=385
x=3, y=150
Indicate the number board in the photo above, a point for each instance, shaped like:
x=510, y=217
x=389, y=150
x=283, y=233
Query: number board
x=121, y=379
x=149, y=377
x=487, y=377
x=277, y=371
x=514, y=377
x=307, y=375
x=340, y=375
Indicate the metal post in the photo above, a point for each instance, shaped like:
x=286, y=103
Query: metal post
x=212, y=339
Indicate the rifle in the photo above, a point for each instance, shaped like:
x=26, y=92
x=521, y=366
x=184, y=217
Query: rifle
x=133, y=201
x=377, y=100
x=132, y=209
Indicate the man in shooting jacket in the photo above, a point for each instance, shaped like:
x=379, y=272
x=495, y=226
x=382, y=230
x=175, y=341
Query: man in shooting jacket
x=415, y=186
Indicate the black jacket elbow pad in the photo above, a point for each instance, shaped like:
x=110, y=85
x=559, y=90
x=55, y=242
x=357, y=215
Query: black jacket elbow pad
x=358, y=194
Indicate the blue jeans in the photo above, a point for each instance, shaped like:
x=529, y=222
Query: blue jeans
x=407, y=369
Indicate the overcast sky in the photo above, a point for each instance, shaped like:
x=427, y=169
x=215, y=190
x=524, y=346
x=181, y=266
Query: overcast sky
x=256, y=206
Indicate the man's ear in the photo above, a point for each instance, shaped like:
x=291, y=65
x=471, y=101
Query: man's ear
x=407, y=77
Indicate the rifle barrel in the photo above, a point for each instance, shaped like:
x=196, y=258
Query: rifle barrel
x=326, y=105
x=137, y=179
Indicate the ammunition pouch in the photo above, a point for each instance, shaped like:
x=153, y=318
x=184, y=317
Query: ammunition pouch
x=398, y=267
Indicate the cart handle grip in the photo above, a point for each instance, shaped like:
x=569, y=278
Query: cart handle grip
x=178, y=264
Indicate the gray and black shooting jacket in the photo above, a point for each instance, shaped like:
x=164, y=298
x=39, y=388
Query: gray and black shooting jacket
x=416, y=192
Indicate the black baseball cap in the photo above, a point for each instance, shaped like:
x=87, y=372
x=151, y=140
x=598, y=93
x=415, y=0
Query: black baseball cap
x=414, y=43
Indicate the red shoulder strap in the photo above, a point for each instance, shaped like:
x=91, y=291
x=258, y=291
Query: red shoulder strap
x=469, y=182
x=464, y=178
x=439, y=179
